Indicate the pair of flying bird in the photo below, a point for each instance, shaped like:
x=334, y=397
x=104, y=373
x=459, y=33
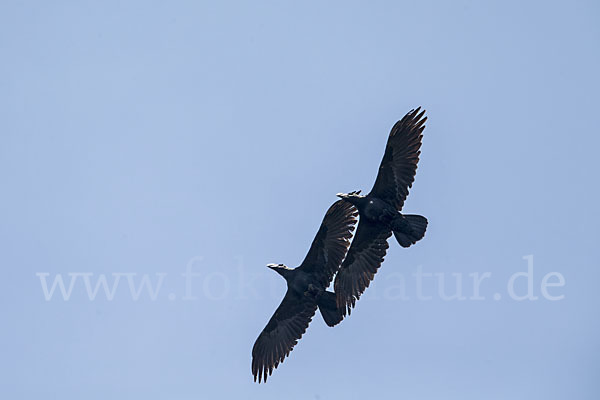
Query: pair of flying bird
x=380, y=217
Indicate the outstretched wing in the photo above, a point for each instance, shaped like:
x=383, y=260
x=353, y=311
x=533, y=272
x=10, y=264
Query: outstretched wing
x=281, y=334
x=331, y=243
x=360, y=266
x=399, y=164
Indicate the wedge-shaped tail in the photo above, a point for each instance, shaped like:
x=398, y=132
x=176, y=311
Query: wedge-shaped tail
x=417, y=225
x=332, y=315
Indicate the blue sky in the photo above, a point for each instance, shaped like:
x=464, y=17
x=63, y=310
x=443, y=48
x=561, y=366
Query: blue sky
x=154, y=138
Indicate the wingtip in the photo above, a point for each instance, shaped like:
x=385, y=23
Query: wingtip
x=418, y=112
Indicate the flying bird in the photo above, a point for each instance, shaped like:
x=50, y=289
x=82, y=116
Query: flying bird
x=306, y=291
x=379, y=211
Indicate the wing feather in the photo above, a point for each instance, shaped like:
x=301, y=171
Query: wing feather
x=331, y=243
x=278, y=338
x=399, y=165
x=361, y=264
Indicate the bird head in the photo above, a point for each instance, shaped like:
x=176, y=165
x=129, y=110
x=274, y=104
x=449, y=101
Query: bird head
x=281, y=269
x=350, y=197
x=347, y=196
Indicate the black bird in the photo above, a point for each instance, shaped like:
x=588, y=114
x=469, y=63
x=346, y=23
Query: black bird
x=379, y=211
x=306, y=291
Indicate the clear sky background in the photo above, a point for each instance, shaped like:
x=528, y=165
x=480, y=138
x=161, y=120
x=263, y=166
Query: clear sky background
x=142, y=137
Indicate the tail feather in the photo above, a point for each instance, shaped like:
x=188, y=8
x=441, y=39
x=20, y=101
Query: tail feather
x=418, y=226
x=332, y=315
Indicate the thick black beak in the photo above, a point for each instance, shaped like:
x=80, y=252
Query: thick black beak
x=342, y=195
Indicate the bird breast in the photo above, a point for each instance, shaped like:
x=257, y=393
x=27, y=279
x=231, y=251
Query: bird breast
x=378, y=210
x=301, y=282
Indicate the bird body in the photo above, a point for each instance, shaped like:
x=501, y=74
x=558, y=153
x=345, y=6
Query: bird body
x=298, y=281
x=372, y=208
x=383, y=214
x=307, y=289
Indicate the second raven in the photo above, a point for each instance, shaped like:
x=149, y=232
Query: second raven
x=379, y=211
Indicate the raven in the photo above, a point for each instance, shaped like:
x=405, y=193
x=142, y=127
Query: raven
x=379, y=211
x=307, y=291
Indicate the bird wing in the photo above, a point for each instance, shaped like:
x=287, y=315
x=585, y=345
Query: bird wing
x=399, y=164
x=331, y=243
x=364, y=258
x=281, y=334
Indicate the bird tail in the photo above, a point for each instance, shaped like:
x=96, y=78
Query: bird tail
x=329, y=310
x=413, y=230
